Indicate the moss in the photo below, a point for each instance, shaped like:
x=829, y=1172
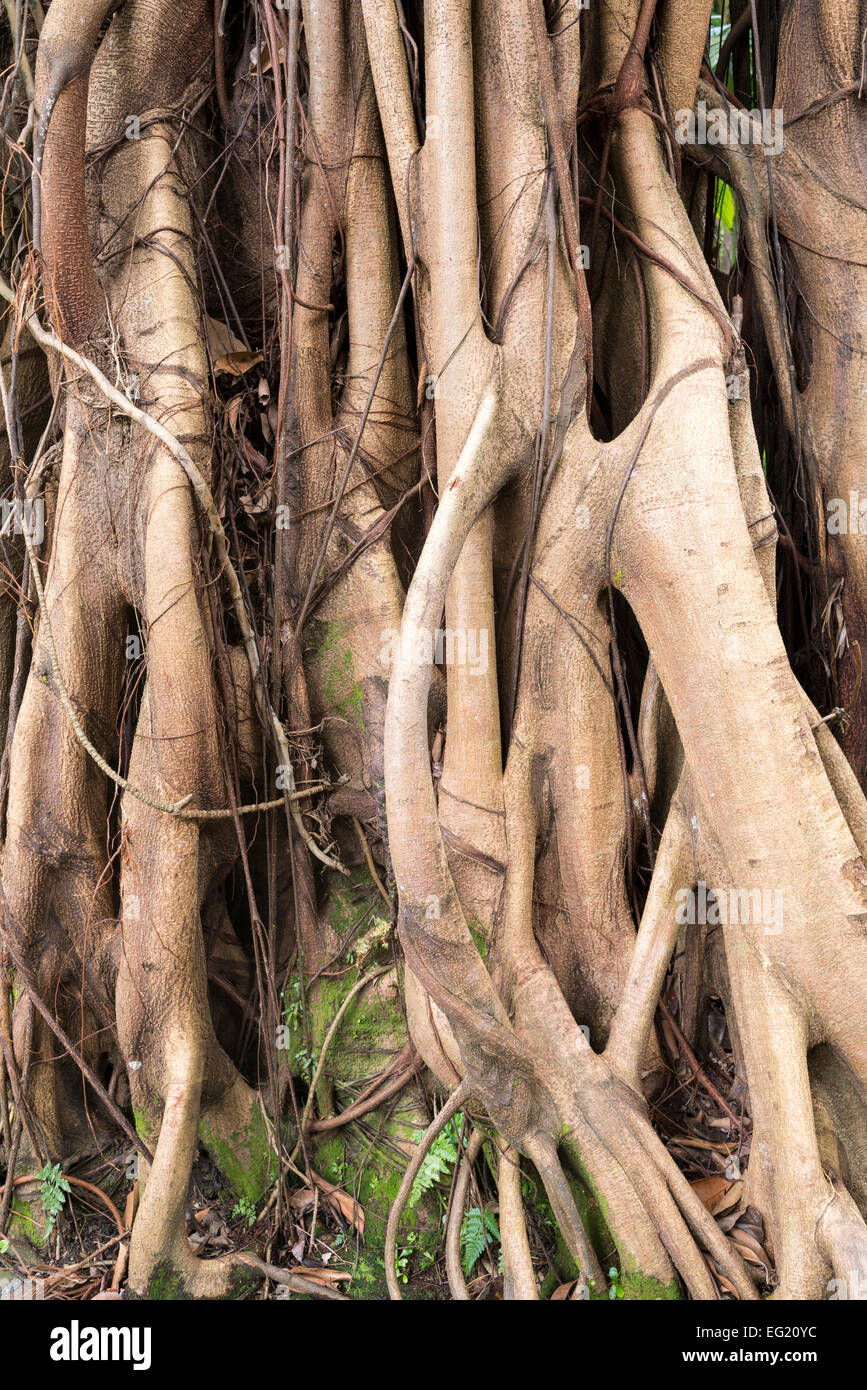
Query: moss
x=371, y=1032
x=479, y=933
x=143, y=1124
x=166, y=1284
x=27, y=1220
x=347, y=898
x=342, y=690
x=638, y=1287
x=246, y=1158
x=375, y=1187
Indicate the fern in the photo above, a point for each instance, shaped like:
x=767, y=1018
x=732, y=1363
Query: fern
x=474, y=1227
x=53, y=1188
x=439, y=1160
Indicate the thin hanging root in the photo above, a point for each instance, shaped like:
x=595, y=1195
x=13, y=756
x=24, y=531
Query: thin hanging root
x=454, y=1268
x=541, y=1151
x=365, y=849
x=209, y=507
x=519, y=1276
x=85, y=1187
x=7, y=927
x=451, y=1108
x=335, y=1024
x=390, y=1083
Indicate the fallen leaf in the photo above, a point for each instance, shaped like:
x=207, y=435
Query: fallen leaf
x=302, y=1200
x=319, y=1275
x=570, y=1290
x=709, y=1189
x=341, y=1201
x=347, y=1207
x=717, y=1193
x=221, y=339
x=237, y=363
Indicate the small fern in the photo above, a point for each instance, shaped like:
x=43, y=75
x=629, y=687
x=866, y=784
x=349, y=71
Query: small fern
x=439, y=1160
x=53, y=1188
x=474, y=1227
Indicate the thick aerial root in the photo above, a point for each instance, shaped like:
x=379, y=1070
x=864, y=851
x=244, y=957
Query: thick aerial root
x=519, y=1277
x=161, y=1264
x=542, y=1152
x=657, y=935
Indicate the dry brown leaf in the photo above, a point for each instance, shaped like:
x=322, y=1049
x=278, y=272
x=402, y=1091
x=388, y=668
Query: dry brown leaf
x=348, y=1208
x=566, y=1291
x=232, y=411
x=749, y=1241
x=339, y=1201
x=320, y=1275
x=221, y=339
x=302, y=1200
x=729, y=1199
x=237, y=363
x=717, y=1193
x=709, y=1189
x=750, y=1255
x=254, y=508
x=131, y=1206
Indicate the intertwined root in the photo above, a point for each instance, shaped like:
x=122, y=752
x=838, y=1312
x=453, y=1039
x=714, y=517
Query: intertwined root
x=670, y=515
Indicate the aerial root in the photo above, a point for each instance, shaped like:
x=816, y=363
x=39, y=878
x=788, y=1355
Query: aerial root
x=541, y=1151
x=683, y=1224
x=519, y=1277
x=451, y=1108
x=288, y=1278
x=454, y=1268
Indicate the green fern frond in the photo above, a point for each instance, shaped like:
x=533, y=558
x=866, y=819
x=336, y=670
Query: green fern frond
x=439, y=1160
x=474, y=1227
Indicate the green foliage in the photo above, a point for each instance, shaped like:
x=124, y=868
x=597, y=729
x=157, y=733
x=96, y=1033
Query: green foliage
x=53, y=1189
x=245, y=1208
x=306, y=1058
x=616, y=1289
x=405, y=1254
x=475, y=1227
x=292, y=1003
x=4, y=1245
x=439, y=1160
